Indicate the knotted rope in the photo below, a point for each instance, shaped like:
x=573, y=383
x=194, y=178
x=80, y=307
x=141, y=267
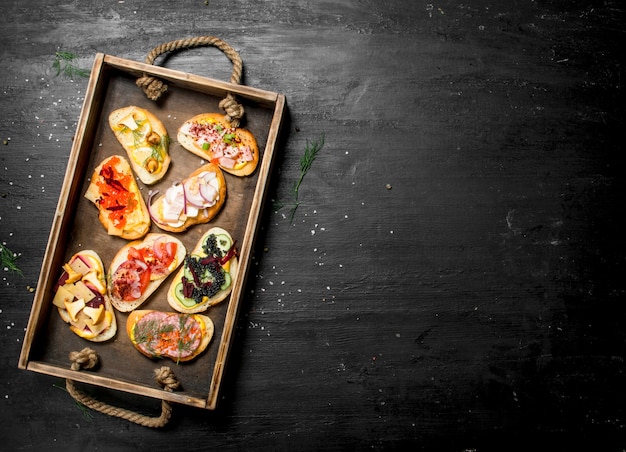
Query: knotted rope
x=154, y=87
x=88, y=359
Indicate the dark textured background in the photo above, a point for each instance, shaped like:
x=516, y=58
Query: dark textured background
x=477, y=304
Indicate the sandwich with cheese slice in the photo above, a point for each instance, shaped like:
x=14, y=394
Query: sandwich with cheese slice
x=81, y=298
x=145, y=139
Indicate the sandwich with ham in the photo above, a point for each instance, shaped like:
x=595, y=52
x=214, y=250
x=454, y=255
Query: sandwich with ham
x=140, y=267
x=211, y=137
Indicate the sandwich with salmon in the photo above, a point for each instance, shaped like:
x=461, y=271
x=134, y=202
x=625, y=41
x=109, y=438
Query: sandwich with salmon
x=114, y=191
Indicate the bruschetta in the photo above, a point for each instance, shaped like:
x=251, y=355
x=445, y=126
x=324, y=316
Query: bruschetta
x=179, y=337
x=211, y=137
x=81, y=298
x=114, y=191
x=207, y=274
x=145, y=140
x=140, y=267
x=195, y=200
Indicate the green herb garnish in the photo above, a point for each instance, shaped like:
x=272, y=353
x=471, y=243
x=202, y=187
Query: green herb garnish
x=148, y=332
x=310, y=153
x=85, y=410
x=63, y=63
x=183, y=346
x=8, y=259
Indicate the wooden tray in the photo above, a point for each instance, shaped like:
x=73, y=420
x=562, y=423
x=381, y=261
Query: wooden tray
x=48, y=340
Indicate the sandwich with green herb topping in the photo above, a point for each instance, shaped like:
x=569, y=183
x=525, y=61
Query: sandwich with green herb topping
x=179, y=337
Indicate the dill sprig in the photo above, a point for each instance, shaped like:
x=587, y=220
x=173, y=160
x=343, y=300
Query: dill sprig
x=310, y=153
x=85, y=410
x=8, y=260
x=63, y=63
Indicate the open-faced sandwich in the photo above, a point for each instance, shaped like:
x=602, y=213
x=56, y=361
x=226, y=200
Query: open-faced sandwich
x=81, y=298
x=211, y=137
x=145, y=140
x=114, y=191
x=179, y=337
x=195, y=200
x=206, y=277
x=140, y=267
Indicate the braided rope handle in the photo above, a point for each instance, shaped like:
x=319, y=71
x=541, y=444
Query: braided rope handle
x=154, y=87
x=87, y=359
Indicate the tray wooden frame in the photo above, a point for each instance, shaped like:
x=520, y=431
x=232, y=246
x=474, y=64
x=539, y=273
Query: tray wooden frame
x=42, y=324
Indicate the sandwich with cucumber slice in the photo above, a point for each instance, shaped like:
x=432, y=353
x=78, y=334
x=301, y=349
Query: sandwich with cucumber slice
x=207, y=274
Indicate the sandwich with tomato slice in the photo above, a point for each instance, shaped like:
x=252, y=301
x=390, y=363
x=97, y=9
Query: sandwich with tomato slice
x=207, y=275
x=140, y=267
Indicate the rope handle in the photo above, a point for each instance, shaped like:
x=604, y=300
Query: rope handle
x=88, y=359
x=154, y=87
